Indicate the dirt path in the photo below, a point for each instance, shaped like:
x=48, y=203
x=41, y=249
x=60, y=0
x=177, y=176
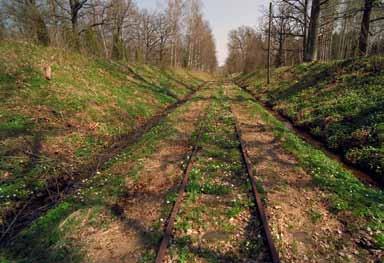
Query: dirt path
x=303, y=228
x=134, y=236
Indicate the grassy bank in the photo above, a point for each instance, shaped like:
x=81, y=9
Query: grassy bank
x=48, y=129
x=341, y=103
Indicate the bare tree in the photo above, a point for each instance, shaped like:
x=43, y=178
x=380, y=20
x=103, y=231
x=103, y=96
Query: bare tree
x=120, y=11
x=198, y=39
x=244, y=46
x=29, y=19
x=75, y=7
x=146, y=34
x=163, y=30
x=177, y=35
x=174, y=14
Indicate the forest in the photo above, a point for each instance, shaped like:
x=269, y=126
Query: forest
x=305, y=31
x=175, y=35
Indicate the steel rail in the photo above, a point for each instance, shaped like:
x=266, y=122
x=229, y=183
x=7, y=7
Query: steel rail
x=167, y=236
x=260, y=207
x=176, y=207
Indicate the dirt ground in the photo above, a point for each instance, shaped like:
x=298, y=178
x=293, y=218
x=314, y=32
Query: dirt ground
x=127, y=239
x=303, y=228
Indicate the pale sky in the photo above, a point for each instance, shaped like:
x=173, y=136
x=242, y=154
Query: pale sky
x=223, y=15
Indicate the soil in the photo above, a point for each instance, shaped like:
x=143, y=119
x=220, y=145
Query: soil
x=211, y=233
x=70, y=180
x=302, y=226
x=140, y=209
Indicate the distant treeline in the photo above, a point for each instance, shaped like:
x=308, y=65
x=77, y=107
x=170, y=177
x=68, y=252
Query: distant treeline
x=309, y=30
x=176, y=34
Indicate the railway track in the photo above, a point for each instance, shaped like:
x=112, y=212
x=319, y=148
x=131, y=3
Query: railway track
x=172, y=217
x=260, y=211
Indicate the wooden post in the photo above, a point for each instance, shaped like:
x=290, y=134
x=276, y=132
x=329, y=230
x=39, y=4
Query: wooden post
x=47, y=71
x=269, y=45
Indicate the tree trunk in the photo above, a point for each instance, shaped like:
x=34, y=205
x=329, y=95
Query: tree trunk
x=340, y=51
x=314, y=25
x=364, y=32
x=115, y=54
x=305, y=33
x=74, y=21
x=280, y=61
x=42, y=31
x=76, y=6
x=39, y=25
x=117, y=40
x=269, y=45
x=2, y=30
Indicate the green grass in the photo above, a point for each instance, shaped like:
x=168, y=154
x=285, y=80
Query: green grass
x=51, y=237
x=218, y=174
x=49, y=128
x=13, y=125
x=341, y=103
x=237, y=207
x=315, y=216
x=348, y=194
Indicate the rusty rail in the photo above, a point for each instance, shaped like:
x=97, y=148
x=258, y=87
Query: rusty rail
x=260, y=207
x=180, y=197
x=176, y=207
x=167, y=236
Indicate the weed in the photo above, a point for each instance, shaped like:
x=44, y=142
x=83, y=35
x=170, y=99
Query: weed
x=237, y=206
x=13, y=125
x=214, y=189
x=315, y=216
x=147, y=257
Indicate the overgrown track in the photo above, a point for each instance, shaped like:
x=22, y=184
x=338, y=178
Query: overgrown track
x=60, y=188
x=167, y=236
x=260, y=208
x=176, y=207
